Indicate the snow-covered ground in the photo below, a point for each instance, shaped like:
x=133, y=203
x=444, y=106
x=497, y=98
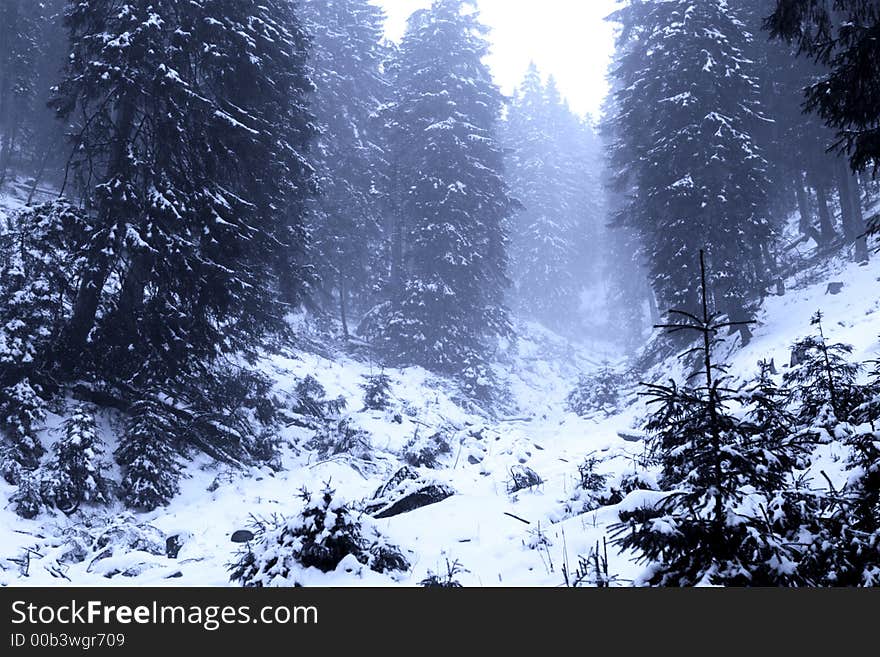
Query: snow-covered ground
x=498, y=538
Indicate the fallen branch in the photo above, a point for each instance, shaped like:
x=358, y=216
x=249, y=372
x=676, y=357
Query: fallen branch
x=517, y=518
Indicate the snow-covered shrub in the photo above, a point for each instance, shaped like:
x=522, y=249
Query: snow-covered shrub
x=596, y=393
x=21, y=412
x=321, y=536
x=75, y=473
x=823, y=384
x=628, y=483
x=377, y=392
x=424, y=451
x=591, y=491
x=310, y=400
x=522, y=478
x=125, y=533
x=448, y=580
x=148, y=455
x=27, y=501
x=340, y=436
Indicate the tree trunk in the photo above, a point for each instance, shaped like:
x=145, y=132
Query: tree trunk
x=88, y=295
x=131, y=297
x=826, y=224
x=859, y=225
x=652, y=304
x=343, y=301
x=806, y=223
x=845, y=195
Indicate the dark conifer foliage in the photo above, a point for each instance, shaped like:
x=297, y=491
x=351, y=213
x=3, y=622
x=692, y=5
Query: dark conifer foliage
x=39, y=258
x=684, y=143
x=75, y=475
x=844, y=35
x=448, y=285
x=189, y=148
x=824, y=381
x=149, y=457
x=347, y=227
x=720, y=468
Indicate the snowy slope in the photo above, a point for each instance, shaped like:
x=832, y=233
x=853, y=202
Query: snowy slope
x=483, y=527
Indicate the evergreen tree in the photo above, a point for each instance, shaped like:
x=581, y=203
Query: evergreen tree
x=686, y=104
x=844, y=36
x=19, y=33
x=797, y=142
x=148, y=456
x=377, y=392
x=190, y=151
x=21, y=412
x=824, y=381
x=38, y=264
x=75, y=474
x=723, y=471
x=346, y=221
x=446, y=297
x=551, y=165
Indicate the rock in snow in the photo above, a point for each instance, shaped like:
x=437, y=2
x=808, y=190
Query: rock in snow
x=406, y=491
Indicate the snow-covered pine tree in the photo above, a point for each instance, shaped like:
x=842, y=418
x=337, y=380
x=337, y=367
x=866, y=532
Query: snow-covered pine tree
x=686, y=102
x=19, y=32
x=75, y=473
x=377, y=391
x=823, y=383
x=447, y=297
x=540, y=246
x=551, y=163
x=794, y=143
x=191, y=152
x=21, y=412
x=149, y=456
x=624, y=267
x=38, y=264
x=842, y=542
x=722, y=470
x=843, y=36
x=346, y=222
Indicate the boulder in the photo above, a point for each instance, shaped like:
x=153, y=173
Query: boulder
x=242, y=536
x=406, y=491
x=173, y=545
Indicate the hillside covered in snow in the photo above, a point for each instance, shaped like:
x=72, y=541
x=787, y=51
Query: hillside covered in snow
x=481, y=530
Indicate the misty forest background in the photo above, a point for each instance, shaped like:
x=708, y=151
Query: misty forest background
x=197, y=177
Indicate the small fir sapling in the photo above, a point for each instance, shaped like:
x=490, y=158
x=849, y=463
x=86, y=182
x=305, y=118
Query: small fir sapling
x=76, y=472
x=715, y=468
x=377, y=392
x=824, y=384
x=149, y=457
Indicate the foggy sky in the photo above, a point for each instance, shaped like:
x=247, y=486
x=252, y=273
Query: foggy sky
x=567, y=38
